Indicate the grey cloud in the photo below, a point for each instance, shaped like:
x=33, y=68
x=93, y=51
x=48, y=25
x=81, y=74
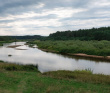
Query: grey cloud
x=50, y=16
x=6, y=21
x=19, y=7
x=67, y=3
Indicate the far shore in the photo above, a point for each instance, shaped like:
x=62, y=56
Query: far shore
x=91, y=56
x=80, y=55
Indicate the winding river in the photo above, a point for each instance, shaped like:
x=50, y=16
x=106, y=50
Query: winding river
x=50, y=61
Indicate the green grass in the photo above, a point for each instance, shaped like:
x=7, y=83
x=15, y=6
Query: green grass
x=101, y=48
x=21, y=80
x=1, y=42
x=32, y=82
x=81, y=76
x=1, y=61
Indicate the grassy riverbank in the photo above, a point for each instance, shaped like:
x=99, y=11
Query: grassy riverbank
x=1, y=43
x=100, y=48
x=27, y=79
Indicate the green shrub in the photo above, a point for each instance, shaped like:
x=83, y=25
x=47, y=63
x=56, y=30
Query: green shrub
x=101, y=48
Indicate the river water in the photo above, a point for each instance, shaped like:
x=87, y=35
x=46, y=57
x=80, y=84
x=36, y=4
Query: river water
x=50, y=61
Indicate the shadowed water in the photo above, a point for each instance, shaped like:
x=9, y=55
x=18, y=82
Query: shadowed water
x=50, y=61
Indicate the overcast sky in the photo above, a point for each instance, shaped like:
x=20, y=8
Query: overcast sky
x=42, y=17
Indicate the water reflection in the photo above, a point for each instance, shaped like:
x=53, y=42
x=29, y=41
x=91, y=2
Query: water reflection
x=49, y=61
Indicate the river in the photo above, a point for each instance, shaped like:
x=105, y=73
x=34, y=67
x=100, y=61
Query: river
x=50, y=61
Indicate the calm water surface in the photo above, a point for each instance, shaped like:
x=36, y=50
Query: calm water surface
x=50, y=61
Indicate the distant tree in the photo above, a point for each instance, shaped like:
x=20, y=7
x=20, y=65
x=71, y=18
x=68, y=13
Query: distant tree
x=102, y=33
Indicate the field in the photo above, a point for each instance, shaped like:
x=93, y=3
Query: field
x=27, y=79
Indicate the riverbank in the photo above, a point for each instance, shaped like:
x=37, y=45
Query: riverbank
x=27, y=79
x=107, y=58
x=1, y=43
x=90, y=49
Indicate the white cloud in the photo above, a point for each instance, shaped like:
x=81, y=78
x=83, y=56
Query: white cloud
x=64, y=12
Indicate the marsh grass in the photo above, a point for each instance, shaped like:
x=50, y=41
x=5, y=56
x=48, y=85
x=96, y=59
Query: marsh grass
x=1, y=43
x=100, y=48
x=17, y=67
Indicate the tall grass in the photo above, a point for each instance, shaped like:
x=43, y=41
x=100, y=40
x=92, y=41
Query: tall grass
x=101, y=48
x=82, y=76
x=1, y=43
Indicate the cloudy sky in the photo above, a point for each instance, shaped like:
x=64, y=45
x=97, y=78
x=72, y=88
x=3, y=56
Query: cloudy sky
x=42, y=17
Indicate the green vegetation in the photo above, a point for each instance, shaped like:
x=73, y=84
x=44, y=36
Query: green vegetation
x=1, y=61
x=14, y=67
x=1, y=43
x=27, y=79
x=82, y=76
x=5, y=38
x=101, y=48
x=29, y=37
x=102, y=33
x=15, y=78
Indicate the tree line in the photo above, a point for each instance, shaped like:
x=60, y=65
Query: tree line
x=5, y=38
x=102, y=33
x=26, y=37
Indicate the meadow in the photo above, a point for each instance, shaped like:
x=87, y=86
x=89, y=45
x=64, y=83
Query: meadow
x=16, y=78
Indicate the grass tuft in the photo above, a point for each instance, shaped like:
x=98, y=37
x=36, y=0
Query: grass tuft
x=16, y=67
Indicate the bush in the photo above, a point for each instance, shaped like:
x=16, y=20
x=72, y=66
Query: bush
x=101, y=48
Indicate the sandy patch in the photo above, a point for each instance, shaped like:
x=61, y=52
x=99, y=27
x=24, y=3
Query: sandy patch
x=14, y=46
x=20, y=49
